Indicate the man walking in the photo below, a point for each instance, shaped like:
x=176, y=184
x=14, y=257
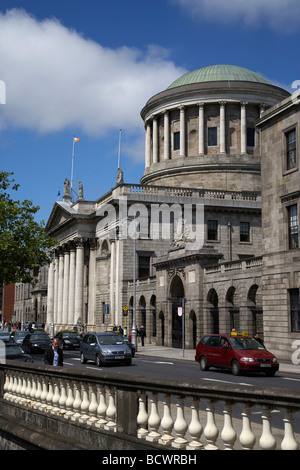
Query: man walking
x=54, y=354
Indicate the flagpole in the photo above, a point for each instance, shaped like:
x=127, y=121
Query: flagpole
x=73, y=151
x=119, y=155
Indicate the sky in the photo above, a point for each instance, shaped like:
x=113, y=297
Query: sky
x=87, y=68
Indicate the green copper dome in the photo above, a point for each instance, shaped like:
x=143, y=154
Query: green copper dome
x=216, y=73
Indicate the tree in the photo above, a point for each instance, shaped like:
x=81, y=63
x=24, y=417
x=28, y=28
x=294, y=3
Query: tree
x=23, y=241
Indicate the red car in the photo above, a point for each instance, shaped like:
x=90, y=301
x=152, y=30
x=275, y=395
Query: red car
x=238, y=352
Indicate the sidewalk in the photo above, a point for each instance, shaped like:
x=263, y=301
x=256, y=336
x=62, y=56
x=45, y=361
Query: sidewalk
x=189, y=355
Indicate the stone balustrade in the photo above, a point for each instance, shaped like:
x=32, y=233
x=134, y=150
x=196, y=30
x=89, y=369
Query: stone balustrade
x=170, y=414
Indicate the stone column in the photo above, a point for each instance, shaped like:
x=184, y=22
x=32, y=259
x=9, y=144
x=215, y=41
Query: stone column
x=71, y=301
x=182, y=131
x=222, y=127
x=79, y=282
x=148, y=145
x=60, y=288
x=56, y=287
x=166, y=136
x=243, y=128
x=201, y=128
x=50, y=294
x=155, y=140
x=112, y=281
x=92, y=284
x=66, y=288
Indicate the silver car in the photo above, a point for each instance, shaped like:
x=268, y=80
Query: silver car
x=105, y=348
x=4, y=336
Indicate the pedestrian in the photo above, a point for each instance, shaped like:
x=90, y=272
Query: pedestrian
x=142, y=334
x=54, y=354
x=259, y=340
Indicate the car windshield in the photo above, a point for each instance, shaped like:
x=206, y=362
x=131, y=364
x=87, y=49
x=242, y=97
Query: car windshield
x=4, y=333
x=70, y=334
x=111, y=339
x=241, y=342
x=34, y=337
x=14, y=351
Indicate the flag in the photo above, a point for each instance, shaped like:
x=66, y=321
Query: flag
x=76, y=139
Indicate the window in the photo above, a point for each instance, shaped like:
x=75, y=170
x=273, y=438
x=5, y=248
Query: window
x=212, y=136
x=293, y=226
x=244, y=232
x=250, y=137
x=290, y=149
x=144, y=266
x=212, y=230
x=294, y=309
x=176, y=140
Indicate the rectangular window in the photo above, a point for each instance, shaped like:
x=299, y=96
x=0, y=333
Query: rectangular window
x=176, y=140
x=212, y=230
x=290, y=149
x=293, y=226
x=250, y=137
x=244, y=232
x=144, y=266
x=294, y=309
x=212, y=136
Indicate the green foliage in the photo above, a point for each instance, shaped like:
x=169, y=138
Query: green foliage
x=23, y=241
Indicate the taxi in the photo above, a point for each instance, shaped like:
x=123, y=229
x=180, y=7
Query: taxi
x=237, y=351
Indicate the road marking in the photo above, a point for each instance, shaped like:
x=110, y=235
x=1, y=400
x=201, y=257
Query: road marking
x=158, y=362
x=290, y=378
x=228, y=382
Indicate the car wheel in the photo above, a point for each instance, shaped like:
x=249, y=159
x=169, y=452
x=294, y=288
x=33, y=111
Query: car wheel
x=128, y=363
x=98, y=361
x=203, y=364
x=82, y=360
x=235, y=368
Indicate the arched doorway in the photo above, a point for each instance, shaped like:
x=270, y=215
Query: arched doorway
x=176, y=296
x=213, y=300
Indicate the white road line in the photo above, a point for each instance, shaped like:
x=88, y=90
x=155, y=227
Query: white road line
x=227, y=382
x=290, y=378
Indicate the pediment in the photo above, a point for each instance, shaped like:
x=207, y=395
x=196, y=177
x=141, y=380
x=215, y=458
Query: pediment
x=60, y=214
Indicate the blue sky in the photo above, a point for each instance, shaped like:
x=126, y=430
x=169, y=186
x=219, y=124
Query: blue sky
x=87, y=68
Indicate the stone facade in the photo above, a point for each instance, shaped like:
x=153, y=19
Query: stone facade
x=211, y=230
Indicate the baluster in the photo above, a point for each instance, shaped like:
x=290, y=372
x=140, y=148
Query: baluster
x=153, y=420
x=167, y=421
x=69, y=401
x=211, y=431
x=195, y=428
x=49, y=396
x=38, y=393
x=102, y=407
x=228, y=434
x=18, y=398
x=23, y=389
x=44, y=394
x=27, y=390
x=142, y=417
x=247, y=438
x=84, y=403
x=77, y=402
x=289, y=442
x=63, y=397
x=93, y=404
x=15, y=386
x=111, y=411
x=55, y=398
x=33, y=390
x=7, y=385
x=180, y=425
x=267, y=441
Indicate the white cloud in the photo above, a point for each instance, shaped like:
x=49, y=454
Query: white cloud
x=281, y=15
x=57, y=79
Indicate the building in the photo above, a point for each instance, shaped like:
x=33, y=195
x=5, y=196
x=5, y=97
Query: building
x=195, y=232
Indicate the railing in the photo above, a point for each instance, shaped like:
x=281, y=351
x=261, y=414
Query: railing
x=170, y=413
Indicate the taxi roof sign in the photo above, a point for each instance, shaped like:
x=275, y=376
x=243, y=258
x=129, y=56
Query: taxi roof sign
x=235, y=333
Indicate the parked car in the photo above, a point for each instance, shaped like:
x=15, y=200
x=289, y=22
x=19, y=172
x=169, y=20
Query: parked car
x=105, y=348
x=15, y=353
x=17, y=336
x=68, y=339
x=4, y=336
x=238, y=352
x=35, y=342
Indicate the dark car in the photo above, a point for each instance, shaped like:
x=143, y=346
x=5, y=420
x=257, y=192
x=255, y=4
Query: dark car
x=15, y=353
x=35, y=342
x=17, y=336
x=105, y=348
x=238, y=352
x=4, y=336
x=68, y=339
